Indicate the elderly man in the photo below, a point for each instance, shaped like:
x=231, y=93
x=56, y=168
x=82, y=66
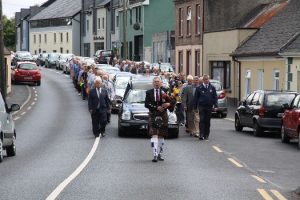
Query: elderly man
x=109, y=86
x=157, y=101
x=99, y=105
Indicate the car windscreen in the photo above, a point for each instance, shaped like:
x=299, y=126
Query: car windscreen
x=136, y=96
x=166, y=68
x=278, y=99
x=121, y=83
x=111, y=70
x=53, y=56
x=106, y=53
x=27, y=66
x=24, y=54
x=217, y=85
x=65, y=56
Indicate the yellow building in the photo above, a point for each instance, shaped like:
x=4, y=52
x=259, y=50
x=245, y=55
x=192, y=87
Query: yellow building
x=261, y=65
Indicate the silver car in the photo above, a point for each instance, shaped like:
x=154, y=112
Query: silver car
x=7, y=129
x=221, y=111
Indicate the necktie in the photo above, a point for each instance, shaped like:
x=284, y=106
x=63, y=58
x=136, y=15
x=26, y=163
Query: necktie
x=98, y=93
x=157, y=96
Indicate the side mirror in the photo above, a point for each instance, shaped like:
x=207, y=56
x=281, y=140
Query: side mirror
x=242, y=103
x=286, y=106
x=14, y=107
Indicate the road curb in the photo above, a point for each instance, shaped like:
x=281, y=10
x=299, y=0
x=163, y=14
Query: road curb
x=25, y=103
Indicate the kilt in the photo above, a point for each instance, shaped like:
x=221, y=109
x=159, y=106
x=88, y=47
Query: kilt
x=163, y=130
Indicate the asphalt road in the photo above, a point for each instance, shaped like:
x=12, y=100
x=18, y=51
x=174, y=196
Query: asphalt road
x=54, y=137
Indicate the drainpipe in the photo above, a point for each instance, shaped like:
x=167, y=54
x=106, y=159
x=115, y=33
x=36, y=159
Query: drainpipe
x=202, y=36
x=235, y=59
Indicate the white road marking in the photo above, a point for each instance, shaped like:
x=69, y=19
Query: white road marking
x=235, y=162
x=66, y=76
x=217, y=149
x=35, y=91
x=259, y=179
x=68, y=180
x=33, y=88
x=32, y=103
x=35, y=99
x=229, y=119
x=36, y=95
x=29, y=108
x=16, y=118
x=23, y=113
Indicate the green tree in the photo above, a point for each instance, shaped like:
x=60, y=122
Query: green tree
x=9, y=32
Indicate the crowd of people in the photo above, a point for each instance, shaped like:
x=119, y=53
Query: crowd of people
x=192, y=98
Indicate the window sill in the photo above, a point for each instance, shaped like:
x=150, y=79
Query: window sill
x=198, y=35
x=188, y=36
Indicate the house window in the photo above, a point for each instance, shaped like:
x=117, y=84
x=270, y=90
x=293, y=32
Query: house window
x=138, y=14
x=188, y=61
x=260, y=79
x=197, y=62
x=67, y=51
x=247, y=82
x=35, y=52
x=61, y=37
x=180, y=61
x=86, y=49
x=45, y=38
x=276, y=76
x=188, y=20
x=61, y=50
x=34, y=39
x=54, y=37
x=87, y=25
x=198, y=20
x=117, y=20
x=98, y=46
x=103, y=22
x=130, y=17
x=99, y=23
x=180, y=21
x=67, y=37
x=40, y=38
x=220, y=70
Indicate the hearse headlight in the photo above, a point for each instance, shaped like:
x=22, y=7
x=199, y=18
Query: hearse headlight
x=126, y=115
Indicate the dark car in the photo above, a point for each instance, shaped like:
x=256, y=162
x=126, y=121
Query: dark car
x=120, y=81
x=104, y=56
x=7, y=129
x=262, y=110
x=51, y=60
x=22, y=56
x=133, y=115
x=41, y=59
x=291, y=121
x=27, y=72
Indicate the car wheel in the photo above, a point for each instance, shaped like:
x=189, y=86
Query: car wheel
x=38, y=83
x=257, y=130
x=224, y=115
x=237, y=124
x=1, y=150
x=284, y=137
x=11, y=150
x=299, y=139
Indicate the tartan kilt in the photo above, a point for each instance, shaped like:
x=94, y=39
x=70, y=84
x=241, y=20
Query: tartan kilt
x=163, y=130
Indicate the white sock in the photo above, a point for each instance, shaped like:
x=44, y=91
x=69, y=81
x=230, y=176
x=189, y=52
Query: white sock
x=161, y=142
x=154, y=145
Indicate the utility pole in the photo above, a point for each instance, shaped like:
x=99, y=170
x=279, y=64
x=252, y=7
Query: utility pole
x=125, y=29
x=2, y=64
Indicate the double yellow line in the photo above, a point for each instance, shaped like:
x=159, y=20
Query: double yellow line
x=266, y=195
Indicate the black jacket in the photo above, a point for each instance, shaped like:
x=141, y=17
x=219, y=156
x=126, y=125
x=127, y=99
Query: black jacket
x=94, y=100
x=205, y=97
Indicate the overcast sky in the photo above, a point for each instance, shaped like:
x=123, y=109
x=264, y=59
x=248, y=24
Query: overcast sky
x=10, y=7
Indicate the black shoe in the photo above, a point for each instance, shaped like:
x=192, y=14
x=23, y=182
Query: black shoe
x=102, y=134
x=154, y=159
x=96, y=135
x=201, y=138
x=160, y=157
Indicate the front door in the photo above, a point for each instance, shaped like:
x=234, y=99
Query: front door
x=138, y=48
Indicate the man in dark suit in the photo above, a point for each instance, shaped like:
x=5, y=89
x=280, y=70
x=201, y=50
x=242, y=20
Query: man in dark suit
x=205, y=100
x=99, y=106
x=157, y=101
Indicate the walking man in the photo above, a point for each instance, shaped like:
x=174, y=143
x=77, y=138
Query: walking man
x=205, y=100
x=157, y=101
x=99, y=106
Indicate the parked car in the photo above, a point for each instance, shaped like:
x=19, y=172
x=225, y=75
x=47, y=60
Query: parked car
x=133, y=115
x=62, y=59
x=7, y=129
x=290, y=128
x=51, y=60
x=164, y=67
x=104, y=56
x=221, y=111
x=21, y=56
x=66, y=65
x=262, y=110
x=26, y=72
x=41, y=59
x=110, y=70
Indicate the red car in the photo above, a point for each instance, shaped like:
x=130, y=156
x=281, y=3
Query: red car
x=291, y=121
x=26, y=72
